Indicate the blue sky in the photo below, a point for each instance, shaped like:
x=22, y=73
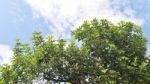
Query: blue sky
x=20, y=18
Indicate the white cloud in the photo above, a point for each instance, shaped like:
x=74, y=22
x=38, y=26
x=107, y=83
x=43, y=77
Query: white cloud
x=148, y=51
x=5, y=54
x=69, y=14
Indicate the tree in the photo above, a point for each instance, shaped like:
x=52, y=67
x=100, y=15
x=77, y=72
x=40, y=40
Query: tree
x=109, y=53
x=118, y=49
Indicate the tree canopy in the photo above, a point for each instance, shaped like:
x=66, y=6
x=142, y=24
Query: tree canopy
x=108, y=54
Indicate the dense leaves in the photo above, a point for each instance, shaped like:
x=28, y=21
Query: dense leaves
x=108, y=54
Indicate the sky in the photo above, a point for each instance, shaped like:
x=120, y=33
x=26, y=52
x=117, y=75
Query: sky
x=20, y=18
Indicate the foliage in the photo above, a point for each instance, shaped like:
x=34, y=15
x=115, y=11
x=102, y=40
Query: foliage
x=109, y=54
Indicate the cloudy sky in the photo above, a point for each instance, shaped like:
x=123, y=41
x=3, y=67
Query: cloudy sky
x=20, y=18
